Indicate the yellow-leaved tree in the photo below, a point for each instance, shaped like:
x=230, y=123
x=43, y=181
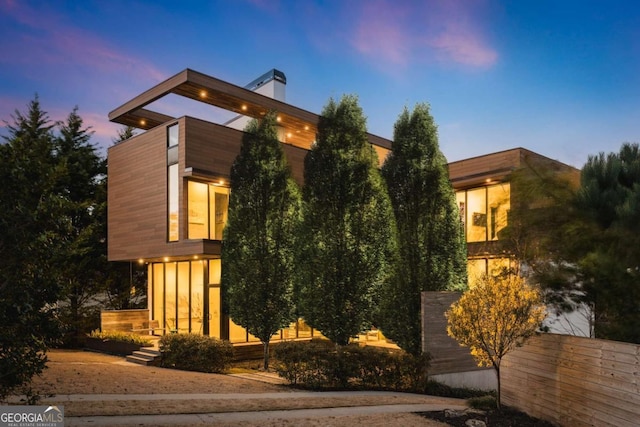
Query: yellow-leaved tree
x=494, y=317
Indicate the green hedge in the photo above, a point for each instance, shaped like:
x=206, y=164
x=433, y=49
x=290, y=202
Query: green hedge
x=316, y=365
x=192, y=352
x=122, y=337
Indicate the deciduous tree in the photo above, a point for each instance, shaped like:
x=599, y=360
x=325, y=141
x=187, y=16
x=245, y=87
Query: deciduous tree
x=495, y=317
x=347, y=239
x=431, y=240
x=258, y=246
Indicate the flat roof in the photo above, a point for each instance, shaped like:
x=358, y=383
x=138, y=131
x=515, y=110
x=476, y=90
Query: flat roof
x=300, y=126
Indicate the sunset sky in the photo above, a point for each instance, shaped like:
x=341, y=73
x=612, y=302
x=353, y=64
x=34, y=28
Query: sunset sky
x=559, y=77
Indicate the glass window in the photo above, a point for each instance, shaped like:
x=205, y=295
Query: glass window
x=499, y=204
x=220, y=211
x=172, y=135
x=476, y=268
x=170, y=296
x=173, y=203
x=476, y=215
x=214, y=312
x=182, y=324
x=208, y=206
x=158, y=293
x=197, y=205
x=197, y=298
x=214, y=271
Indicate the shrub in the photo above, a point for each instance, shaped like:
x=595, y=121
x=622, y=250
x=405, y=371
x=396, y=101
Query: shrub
x=316, y=365
x=192, y=352
x=122, y=337
x=485, y=402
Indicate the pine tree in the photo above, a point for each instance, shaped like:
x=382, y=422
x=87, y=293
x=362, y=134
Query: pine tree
x=430, y=236
x=348, y=232
x=31, y=226
x=81, y=175
x=258, y=246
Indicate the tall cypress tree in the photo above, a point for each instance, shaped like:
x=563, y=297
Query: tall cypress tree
x=258, y=247
x=430, y=236
x=348, y=231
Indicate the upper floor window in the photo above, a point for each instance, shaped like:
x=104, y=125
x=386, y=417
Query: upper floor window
x=172, y=135
x=484, y=211
x=208, y=205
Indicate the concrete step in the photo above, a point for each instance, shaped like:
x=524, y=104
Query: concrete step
x=145, y=356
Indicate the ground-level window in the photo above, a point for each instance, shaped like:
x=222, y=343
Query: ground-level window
x=477, y=267
x=185, y=297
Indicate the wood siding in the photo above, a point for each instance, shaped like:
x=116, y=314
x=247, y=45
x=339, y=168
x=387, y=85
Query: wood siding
x=476, y=171
x=447, y=356
x=574, y=381
x=122, y=320
x=137, y=187
x=137, y=196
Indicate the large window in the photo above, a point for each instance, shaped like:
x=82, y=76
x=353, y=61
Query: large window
x=208, y=205
x=484, y=211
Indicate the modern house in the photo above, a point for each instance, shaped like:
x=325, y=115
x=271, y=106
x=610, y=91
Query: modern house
x=485, y=194
x=168, y=193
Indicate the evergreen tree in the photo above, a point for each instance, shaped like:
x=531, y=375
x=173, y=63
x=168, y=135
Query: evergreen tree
x=81, y=173
x=430, y=236
x=32, y=222
x=609, y=265
x=348, y=232
x=258, y=246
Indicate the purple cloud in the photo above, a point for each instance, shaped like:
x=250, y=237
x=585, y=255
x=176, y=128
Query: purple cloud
x=445, y=31
x=49, y=40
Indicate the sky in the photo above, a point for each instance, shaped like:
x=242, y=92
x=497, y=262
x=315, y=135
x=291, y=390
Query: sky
x=558, y=77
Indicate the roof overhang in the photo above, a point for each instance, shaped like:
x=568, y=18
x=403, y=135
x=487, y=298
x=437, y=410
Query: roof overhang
x=299, y=126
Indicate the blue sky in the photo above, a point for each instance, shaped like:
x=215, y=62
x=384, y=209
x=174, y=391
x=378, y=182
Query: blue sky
x=560, y=77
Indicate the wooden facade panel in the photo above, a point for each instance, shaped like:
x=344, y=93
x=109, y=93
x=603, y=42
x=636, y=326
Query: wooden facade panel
x=574, y=381
x=447, y=356
x=137, y=195
x=122, y=320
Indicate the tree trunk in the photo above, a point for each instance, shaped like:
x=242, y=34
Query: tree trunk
x=497, y=368
x=265, y=345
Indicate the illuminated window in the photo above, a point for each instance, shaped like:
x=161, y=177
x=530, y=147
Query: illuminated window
x=476, y=220
x=208, y=206
x=484, y=211
x=499, y=204
x=173, y=203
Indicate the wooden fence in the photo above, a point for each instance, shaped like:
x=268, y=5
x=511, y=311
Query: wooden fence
x=573, y=381
x=123, y=320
